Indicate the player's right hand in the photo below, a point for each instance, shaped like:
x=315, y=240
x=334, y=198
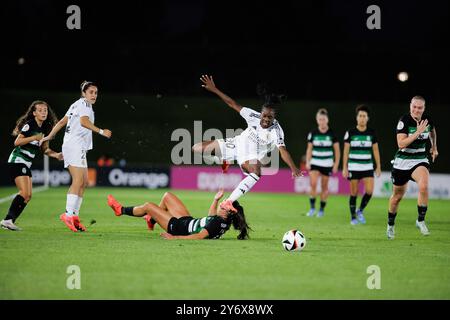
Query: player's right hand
x=38, y=137
x=345, y=173
x=422, y=126
x=107, y=133
x=219, y=194
x=208, y=83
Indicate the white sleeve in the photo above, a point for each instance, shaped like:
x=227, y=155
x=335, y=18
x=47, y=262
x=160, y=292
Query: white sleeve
x=280, y=136
x=249, y=114
x=83, y=109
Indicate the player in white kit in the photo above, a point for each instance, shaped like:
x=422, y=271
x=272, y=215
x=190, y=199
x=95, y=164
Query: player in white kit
x=262, y=135
x=79, y=123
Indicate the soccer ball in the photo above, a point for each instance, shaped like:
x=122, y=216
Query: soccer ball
x=294, y=240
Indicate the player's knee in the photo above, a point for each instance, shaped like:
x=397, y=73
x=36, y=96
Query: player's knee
x=423, y=187
x=255, y=170
x=396, y=198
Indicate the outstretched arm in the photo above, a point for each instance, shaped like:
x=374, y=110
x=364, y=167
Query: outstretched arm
x=49, y=152
x=208, y=84
x=196, y=236
x=61, y=124
x=286, y=156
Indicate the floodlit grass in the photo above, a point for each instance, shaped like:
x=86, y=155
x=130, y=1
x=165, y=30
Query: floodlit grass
x=120, y=259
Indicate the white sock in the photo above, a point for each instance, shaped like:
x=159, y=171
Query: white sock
x=71, y=204
x=78, y=205
x=209, y=159
x=244, y=186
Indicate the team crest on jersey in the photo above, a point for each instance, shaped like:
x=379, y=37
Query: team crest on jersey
x=400, y=125
x=26, y=128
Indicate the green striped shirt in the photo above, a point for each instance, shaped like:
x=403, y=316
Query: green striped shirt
x=322, y=143
x=361, y=143
x=26, y=153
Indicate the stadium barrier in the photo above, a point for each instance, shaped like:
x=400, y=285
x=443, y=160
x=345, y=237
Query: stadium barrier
x=151, y=178
x=211, y=178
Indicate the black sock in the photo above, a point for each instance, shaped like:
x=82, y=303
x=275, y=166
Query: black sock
x=365, y=200
x=312, y=203
x=352, y=203
x=422, y=210
x=322, y=205
x=391, y=218
x=16, y=208
x=127, y=211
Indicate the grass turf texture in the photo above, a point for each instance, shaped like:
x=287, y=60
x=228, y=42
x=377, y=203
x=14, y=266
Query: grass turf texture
x=120, y=259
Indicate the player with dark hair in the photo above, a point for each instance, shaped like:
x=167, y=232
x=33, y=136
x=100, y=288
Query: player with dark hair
x=360, y=151
x=173, y=216
x=30, y=129
x=322, y=160
x=411, y=162
x=249, y=148
x=79, y=123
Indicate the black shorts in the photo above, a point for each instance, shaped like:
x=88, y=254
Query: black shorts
x=179, y=226
x=326, y=171
x=401, y=177
x=358, y=175
x=17, y=170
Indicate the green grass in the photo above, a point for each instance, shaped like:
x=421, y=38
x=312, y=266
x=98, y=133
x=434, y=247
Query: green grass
x=120, y=259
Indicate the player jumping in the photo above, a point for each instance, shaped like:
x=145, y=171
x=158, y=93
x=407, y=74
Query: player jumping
x=263, y=133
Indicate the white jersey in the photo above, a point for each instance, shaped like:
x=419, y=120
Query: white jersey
x=260, y=140
x=77, y=136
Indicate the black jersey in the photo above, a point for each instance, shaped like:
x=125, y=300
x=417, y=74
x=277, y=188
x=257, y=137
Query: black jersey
x=26, y=153
x=415, y=153
x=215, y=225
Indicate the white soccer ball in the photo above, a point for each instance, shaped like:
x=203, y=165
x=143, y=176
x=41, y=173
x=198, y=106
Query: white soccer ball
x=294, y=240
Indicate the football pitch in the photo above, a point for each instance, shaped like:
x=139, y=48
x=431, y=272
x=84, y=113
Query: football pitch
x=120, y=259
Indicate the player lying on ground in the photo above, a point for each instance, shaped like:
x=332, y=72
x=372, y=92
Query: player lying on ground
x=30, y=129
x=173, y=216
x=263, y=133
x=411, y=162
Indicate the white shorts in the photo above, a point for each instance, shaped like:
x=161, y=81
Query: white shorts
x=234, y=149
x=75, y=157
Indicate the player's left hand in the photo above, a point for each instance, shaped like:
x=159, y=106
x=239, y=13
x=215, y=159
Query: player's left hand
x=167, y=236
x=60, y=156
x=335, y=169
x=434, y=153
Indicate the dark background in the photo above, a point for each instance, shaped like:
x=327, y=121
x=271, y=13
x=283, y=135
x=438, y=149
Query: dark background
x=151, y=53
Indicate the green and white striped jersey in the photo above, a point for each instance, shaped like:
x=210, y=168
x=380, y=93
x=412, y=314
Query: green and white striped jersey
x=25, y=154
x=322, y=152
x=415, y=153
x=360, y=156
x=215, y=225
